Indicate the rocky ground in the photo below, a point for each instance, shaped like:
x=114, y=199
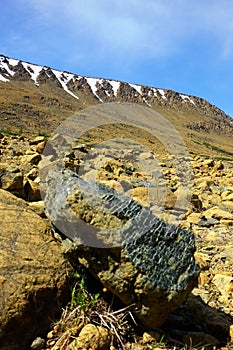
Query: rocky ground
x=205, y=320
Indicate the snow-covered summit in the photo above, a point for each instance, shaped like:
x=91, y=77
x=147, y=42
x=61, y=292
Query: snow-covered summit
x=102, y=89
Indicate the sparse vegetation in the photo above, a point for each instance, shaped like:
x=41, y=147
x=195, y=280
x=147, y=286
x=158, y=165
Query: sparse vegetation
x=87, y=307
x=159, y=344
x=218, y=149
x=80, y=296
x=44, y=133
x=8, y=131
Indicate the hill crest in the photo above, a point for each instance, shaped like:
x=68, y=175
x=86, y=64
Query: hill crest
x=102, y=89
x=35, y=98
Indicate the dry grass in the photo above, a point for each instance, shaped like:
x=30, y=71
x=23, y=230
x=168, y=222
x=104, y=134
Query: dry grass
x=85, y=308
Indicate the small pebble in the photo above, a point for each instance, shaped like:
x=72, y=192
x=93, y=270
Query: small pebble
x=38, y=344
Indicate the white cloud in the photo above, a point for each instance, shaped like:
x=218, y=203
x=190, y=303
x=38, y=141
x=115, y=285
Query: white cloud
x=157, y=28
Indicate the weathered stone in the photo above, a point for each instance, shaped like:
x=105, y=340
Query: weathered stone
x=228, y=205
x=91, y=337
x=231, y=332
x=218, y=165
x=146, y=261
x=196, y=202
x=140, y=194
x=39, y=148
x=37, y=140
x=38, y=344
x=33, y=174
x=209, y=163
x=114, y=184
x=38, y=207
x=203, y=260
x=205, y=185
x=208, y=222
x=224, y=283
x=32, y=159
x=194, y=218
x=226, y=222
x=211, y=236
x=228, y=197
x=33, y=274
x=32, y=191
x=204, y=279
x=149, y=337
x=11, y=179
x=218, y=213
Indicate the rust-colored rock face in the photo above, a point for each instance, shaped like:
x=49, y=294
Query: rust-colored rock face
x=32, y=274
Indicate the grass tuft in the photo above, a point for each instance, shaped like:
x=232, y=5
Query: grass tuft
x=85, y=308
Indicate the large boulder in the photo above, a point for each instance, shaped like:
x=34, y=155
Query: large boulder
x=33, y=274
x=140, y=258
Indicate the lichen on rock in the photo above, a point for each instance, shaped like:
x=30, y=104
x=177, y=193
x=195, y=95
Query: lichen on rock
x=140, y=258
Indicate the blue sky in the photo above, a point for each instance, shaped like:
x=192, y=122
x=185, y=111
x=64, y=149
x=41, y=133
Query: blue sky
x=183, y=45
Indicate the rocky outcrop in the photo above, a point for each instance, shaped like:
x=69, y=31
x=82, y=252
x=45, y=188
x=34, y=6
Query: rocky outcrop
x=146, y=261
x=20, y=73
x=33, y=274
x=206, y=316
x=46, y=76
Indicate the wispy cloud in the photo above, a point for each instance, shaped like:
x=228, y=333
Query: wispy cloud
x=154, y=27
x=186, y=45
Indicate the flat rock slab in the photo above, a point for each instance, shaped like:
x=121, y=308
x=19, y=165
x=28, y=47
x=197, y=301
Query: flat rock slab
x=140, y=258
x=33, y=274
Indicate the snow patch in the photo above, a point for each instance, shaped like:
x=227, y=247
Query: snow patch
x=115, y=86
x=186, y=97
x=138, y=88
x=64, y=78
x=3, y=79
x=162, y=93
x=12, y=61
x=144, y=100
x=6, y=67
x=153, y=92
x=33, y=70
x=92, y=82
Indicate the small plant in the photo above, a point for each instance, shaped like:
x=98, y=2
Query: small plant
x=8, y=131
x=86, y=307
x=44, y=133
x=159, y=344
x=80, y=297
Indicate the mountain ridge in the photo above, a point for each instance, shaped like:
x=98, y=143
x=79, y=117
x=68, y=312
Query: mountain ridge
x=92, y=81
x=35, y=98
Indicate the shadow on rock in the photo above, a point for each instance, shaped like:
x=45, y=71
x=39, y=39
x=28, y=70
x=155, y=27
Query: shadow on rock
x=196, y=324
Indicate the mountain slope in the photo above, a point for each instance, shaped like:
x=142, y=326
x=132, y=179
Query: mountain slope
x=37, y=98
